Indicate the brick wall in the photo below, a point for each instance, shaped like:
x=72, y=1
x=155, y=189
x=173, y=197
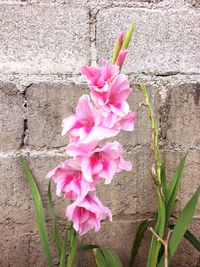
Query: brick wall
x=42, y=46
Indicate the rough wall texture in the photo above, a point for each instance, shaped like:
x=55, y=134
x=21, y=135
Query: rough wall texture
x=43, y=44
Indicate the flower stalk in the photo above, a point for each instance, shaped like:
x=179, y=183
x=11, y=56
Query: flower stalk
x=160, y=223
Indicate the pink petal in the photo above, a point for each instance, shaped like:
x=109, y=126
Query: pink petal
x=121, y=57
x=68, y=123
x=87, y=169
x=89, y=72
x=127, y=123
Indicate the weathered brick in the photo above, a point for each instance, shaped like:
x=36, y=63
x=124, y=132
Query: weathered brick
x=14, y=196
x=193, y=2
x=32, y=44
x=180, y=119
x=47, y=104
x=11, y=116
x=165, y=41
x=21, y=246
x=14, y=251
x=69, y=3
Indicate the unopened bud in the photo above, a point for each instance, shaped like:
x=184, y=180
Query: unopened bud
x=121, y=57
x=117, y=46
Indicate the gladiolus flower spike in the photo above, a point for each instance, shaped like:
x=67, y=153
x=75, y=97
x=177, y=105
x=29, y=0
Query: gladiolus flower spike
x=101, y=115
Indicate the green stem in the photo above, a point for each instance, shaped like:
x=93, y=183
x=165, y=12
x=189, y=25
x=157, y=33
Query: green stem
x=160, y=222
x=72, y=247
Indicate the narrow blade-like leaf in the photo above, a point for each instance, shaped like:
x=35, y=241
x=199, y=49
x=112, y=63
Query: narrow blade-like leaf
x=190, y=237
x=181, y=226
x=128, y=36
x=99, y=258
x=63, y=251
x=72, y=247
x=55, y=227
x=163, y=179
x=173, y=188
x=39, y=212
x=111, y=257
x=138, y=239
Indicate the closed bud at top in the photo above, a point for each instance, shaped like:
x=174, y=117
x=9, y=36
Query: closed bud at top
x=120, y=38
x=117, y=46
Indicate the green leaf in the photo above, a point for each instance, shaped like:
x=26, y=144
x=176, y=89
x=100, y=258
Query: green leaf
x=181, y=226
x=138, y=239
x=173, y=188
x=128, y=36
x=190, y=237
x=159, y=229
x=106, y=257
x=63, y=251
x=72, y=247
x=99, y=258
x=55, y=227
x=39, y=212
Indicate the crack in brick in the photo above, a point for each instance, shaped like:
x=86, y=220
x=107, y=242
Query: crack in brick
x=93, y=32
x=25, y=131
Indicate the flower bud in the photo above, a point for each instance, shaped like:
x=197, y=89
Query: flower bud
x=121, y=57
x=117, y=46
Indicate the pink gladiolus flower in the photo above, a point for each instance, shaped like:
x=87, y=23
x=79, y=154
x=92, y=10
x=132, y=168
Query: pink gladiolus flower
x=121, y=57
x=103, y=162
x=86, y=124
x=99, y=78
x=70, y=181
x=87, y=213
x=114, y=101
x=77, y=178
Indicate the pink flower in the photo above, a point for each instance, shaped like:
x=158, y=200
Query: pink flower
x=121, y=57
x=69, y=179
x=86, y=124
x=99, y=78
x=87, y=213
x=114, y=100
x=103, y=162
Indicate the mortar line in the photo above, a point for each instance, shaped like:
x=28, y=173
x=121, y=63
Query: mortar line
x=141, y=6
x=23, y=81
x=61, y=151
